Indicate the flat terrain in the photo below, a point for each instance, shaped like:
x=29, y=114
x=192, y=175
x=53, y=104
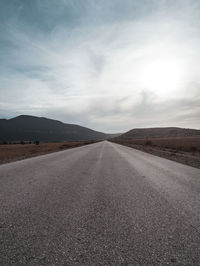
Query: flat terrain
x=101, y=204
x=185, y=150
x=13, y=152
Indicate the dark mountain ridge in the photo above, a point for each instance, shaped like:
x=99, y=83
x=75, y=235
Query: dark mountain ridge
x=29, y=128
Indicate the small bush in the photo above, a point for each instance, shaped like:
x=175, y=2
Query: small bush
x=36, y=142
x=193, y=148
x=148, y=142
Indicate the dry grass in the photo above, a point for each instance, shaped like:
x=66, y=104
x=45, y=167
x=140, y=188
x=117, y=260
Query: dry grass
x=12, y=152
x=178, y=143
x=181, y=149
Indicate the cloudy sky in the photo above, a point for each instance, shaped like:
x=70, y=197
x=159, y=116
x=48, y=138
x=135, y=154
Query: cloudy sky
x=111, y=65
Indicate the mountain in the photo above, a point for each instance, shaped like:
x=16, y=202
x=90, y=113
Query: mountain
x=28, y=128
x=160, y=132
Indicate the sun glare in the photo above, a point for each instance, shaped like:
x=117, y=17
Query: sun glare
x=162, y=76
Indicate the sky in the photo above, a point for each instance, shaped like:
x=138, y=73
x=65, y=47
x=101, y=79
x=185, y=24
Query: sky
x=111, y=65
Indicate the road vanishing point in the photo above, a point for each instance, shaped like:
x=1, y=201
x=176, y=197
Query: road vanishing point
x=101, y=204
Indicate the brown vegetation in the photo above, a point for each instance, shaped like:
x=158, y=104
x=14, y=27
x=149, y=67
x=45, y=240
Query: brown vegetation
x=12, y=152
x=181, y=149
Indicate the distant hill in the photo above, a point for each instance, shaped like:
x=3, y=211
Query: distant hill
x=140, y=133
x=29, y=128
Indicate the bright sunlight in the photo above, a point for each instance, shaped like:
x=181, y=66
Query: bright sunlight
x=162, y=76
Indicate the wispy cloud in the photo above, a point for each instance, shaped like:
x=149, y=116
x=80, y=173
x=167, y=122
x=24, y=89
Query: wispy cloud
x=97, y=63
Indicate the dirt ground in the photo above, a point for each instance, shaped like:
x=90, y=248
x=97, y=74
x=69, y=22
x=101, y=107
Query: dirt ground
x=191, y=157
x=13, y=152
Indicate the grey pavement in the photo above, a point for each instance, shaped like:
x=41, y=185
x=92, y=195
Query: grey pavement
x=101, y=204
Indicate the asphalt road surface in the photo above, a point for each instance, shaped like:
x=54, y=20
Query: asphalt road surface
x=101, y=204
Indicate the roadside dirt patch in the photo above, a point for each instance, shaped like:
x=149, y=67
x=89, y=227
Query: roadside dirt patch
x=189, y=154
x=13, y=152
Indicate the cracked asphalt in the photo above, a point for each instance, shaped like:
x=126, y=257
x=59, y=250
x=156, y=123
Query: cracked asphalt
x=101, y=204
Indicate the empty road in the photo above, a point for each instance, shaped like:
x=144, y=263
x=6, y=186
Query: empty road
x=101, y=204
